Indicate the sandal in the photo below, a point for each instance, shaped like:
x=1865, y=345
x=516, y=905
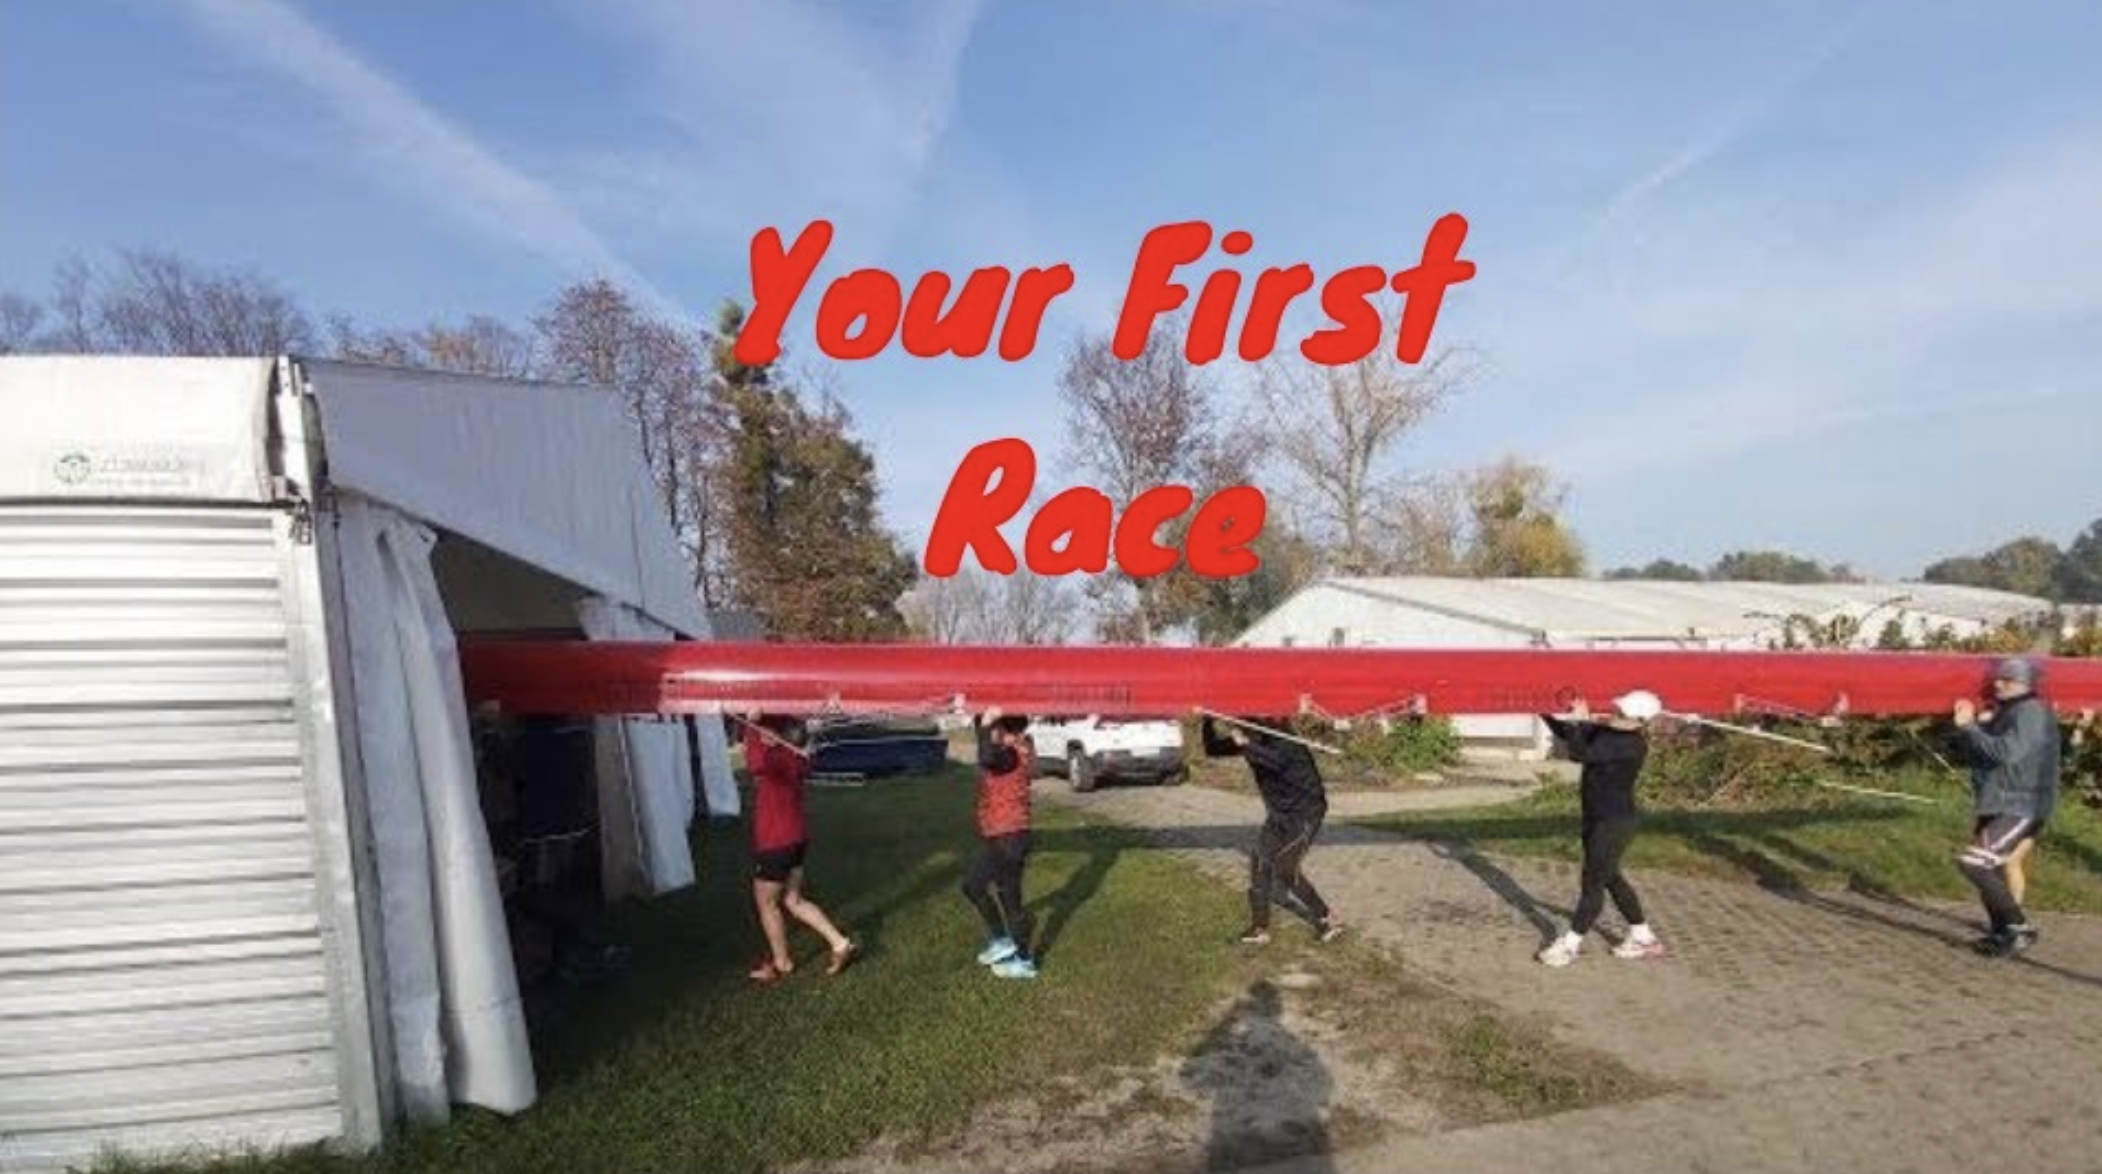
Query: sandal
x=767, y=974
x=842, y=958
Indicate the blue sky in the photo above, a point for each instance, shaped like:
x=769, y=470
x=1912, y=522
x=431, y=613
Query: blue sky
x=1824, y=276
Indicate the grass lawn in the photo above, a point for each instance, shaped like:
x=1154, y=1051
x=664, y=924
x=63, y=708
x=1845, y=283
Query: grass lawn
x=683, y=1064
x=1798, y=836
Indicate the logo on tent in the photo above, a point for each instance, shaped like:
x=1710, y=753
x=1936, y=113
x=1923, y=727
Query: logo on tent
x=74, y=468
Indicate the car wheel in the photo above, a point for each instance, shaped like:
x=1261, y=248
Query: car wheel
x=1078, y=770
x=1176, y=777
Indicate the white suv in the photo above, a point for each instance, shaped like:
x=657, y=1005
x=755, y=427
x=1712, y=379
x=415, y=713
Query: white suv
x=1090, y=749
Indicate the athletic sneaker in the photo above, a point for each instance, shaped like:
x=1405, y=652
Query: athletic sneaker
x=2008, y=942
x=997, y=951
x=1633, y=949
x=1255, y=936
x=1560, y=952
x=1330, y=930
x=1014, y=967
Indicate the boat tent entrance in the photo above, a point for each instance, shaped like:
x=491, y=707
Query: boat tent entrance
x=247, y=896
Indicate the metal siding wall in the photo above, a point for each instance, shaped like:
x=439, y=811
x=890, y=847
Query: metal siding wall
x=1311, y=616
x=164, y=981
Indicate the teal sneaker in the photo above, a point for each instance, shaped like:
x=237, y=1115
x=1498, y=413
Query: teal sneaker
x=997, y=951
x=1015, y=968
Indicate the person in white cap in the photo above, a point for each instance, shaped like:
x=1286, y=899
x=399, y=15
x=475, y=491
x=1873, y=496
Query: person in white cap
x=2013, y=754
x=1612, y=752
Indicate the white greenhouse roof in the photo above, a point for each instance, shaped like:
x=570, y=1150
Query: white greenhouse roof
x=1631, y=609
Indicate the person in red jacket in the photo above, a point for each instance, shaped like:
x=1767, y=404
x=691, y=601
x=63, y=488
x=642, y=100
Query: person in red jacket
x=779, y=769
x=994, y=883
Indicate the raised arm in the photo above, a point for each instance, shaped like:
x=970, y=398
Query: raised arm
x=1217, y=745
x=2025, y=736
x=993, y=756
x=1575, y=734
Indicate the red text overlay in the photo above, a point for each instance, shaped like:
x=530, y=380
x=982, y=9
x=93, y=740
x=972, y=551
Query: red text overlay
x=863, y=313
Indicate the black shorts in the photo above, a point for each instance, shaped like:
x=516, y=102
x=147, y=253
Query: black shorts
x=775, y=864
x=1994, y=838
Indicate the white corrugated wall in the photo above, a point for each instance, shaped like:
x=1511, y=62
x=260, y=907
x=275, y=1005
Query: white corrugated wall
x=1325, y=615
x=166, y=978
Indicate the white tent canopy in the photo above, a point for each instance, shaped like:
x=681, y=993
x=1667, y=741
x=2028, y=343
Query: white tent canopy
x=100, y=428
x=547, y=474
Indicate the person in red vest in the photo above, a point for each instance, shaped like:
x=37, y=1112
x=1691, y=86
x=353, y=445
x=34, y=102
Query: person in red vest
x=994, y=883
x=780, y=770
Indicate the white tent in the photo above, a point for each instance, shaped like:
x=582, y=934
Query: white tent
x=1441, y=612
x=249, y=896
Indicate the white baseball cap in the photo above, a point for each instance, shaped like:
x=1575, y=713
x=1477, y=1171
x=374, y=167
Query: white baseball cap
x=1641, y=705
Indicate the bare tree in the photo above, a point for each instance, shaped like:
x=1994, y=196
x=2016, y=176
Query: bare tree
x=596, y=333
x=944, y=611
x=19, y=319
x=156, y=303
x=481, y=345
x=1425, y=528
x=1133, y=425
x=976, y=606
x=71, y=289
x=1336, y=427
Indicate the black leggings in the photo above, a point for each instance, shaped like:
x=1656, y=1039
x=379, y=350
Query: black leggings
x=994, y=888
x=1274, y=869
x=1604, y=842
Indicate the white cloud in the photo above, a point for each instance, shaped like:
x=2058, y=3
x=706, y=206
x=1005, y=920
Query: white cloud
x=1738, y=119
x=781, y=112
x=1742, y=336
x=403, y=142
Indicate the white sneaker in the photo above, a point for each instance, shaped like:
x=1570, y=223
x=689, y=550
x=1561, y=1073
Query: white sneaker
x=1637, y=948
x=1561, y=952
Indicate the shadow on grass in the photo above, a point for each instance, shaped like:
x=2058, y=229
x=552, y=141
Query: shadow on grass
x=696, y=945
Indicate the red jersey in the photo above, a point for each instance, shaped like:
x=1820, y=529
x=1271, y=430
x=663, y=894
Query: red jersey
x=1003, y=794
x=778, y=774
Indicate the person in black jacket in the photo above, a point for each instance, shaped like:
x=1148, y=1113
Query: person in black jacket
x=1612, y=753
x=1295, y=801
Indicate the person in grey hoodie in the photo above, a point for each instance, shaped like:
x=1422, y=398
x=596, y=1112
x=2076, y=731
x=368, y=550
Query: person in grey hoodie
x=2013, y=751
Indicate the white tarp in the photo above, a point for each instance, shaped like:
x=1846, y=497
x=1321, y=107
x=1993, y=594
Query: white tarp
x=718, y=784
x=550, y=475
x=133, y=428
x=452, y=995
x=650, y=756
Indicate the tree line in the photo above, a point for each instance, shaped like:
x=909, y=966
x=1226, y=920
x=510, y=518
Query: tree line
x=774, y=498
x=770, y=493
x=2029, y=565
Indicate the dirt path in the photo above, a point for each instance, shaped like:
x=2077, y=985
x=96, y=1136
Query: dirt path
x=1317, y=1049
x=1804, y=1031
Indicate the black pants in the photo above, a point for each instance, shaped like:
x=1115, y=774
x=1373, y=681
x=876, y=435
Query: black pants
x=1274, y=873
x=1605, y=840
x=994, y=888
x=1984, y=862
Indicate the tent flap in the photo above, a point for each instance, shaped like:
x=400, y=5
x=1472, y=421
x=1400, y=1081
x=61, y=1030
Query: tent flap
x=657, y=781
x=452, y=996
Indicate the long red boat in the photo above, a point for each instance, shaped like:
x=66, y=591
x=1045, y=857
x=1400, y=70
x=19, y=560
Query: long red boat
x=617, y=678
